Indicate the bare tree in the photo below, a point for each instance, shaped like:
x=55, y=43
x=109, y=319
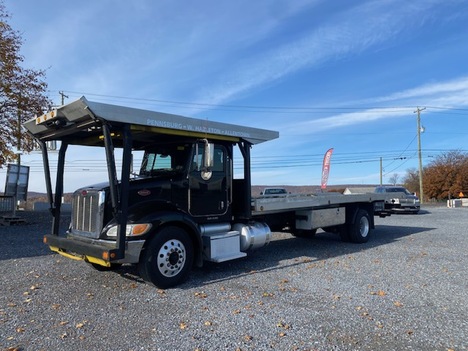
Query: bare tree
x=411, y=180
x=394, y=179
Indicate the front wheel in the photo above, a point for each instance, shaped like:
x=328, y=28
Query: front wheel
x=168, y=258
x=359, y=230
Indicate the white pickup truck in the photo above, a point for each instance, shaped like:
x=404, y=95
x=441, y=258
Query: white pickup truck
x=273, y=192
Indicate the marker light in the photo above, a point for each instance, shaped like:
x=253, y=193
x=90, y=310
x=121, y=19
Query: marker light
x=131, y=229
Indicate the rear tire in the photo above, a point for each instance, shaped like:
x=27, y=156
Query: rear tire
x=168, y=258
x=359, y=230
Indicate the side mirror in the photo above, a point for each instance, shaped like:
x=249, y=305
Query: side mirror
x=208, y=161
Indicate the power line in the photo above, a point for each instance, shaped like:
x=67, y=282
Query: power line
x=63, y=96
x=261, y=108
x=250, y=108
x=274, y=160
x=233, y=106
x=406, y=159
x=400, y=156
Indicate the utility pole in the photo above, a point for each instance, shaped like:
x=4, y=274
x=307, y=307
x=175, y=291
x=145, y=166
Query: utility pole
x=421, y=191
x=62, y=94
x=381, y=171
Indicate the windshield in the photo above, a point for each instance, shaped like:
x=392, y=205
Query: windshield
x=398, y=190
x=274, y=191
x=164, y=159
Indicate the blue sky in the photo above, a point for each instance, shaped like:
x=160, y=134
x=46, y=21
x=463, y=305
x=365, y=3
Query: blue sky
x=343, y=74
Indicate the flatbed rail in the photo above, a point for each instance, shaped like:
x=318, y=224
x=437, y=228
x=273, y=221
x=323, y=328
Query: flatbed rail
x=292, y=202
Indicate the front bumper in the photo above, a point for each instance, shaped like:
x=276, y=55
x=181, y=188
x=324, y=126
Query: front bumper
x=405, y=209
x=92, y=250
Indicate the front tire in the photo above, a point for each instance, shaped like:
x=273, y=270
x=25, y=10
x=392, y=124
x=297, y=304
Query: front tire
x=168, y=258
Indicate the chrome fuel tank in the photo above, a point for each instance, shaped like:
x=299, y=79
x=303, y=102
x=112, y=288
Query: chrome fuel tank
x=253, y=235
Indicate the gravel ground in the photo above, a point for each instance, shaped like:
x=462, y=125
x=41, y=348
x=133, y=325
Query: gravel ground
x=407, y=289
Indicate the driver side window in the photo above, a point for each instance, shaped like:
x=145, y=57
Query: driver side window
x=157, y=162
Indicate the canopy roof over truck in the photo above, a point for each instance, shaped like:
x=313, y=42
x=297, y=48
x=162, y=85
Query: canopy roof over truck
x=80, y=122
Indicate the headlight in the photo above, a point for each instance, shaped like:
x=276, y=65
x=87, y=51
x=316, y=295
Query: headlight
x=131, y=229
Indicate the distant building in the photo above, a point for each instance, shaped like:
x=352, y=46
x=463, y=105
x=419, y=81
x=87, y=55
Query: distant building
x=359, y=190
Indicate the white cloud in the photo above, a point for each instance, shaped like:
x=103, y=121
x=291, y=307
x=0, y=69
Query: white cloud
x=446, y=93
x=348, y=33
x=349, y=119
x=438, y=94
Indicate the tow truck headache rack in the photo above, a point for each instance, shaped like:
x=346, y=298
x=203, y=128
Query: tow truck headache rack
x=184, y=206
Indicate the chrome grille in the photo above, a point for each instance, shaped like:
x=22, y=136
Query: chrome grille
x=87, y=215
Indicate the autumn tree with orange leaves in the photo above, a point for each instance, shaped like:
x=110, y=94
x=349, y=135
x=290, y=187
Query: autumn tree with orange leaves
x=445, y=177
x=22, y=92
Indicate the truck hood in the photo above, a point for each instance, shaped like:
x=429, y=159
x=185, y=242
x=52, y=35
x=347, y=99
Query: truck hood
x=97, y=186
x=133, y=182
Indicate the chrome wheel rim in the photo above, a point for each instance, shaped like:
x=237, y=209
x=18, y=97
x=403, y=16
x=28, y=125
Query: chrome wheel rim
x=171, y=258
x=364, y=226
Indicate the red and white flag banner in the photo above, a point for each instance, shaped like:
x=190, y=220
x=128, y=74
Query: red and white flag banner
x=326, y=167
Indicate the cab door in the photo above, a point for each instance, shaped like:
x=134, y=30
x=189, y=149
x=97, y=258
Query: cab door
x=208, y=188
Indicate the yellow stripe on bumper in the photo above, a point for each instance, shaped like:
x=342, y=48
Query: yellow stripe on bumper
x=86, y=258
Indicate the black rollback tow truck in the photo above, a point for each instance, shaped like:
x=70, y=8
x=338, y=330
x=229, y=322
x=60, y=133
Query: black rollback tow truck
x=184, y=206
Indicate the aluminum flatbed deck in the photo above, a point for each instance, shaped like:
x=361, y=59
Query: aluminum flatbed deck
x=293, y=202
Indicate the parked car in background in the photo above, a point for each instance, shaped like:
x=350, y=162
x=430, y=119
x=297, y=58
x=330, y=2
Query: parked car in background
x=399, y=199
x=274, y=192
